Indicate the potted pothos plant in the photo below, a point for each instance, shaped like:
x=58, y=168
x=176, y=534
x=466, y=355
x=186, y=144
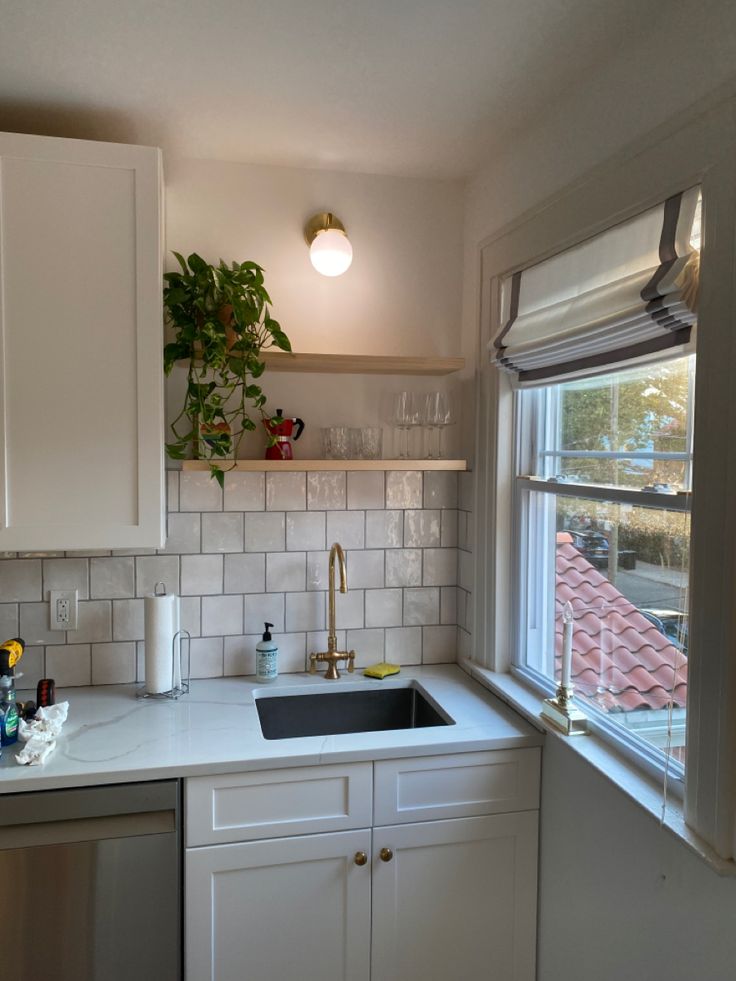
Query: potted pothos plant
x=222, y=320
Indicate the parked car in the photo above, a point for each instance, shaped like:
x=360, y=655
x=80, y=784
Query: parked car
x=593, y=545
x=671, y=623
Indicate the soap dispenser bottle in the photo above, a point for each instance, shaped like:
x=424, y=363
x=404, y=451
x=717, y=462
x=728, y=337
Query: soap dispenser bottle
x=267, y=654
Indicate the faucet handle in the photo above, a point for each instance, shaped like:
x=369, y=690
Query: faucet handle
x=351, y=662
x=313, y=658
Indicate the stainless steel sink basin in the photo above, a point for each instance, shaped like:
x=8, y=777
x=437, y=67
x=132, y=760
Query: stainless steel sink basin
x=330, y=713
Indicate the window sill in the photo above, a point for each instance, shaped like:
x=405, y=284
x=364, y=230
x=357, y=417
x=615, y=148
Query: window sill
x=635, y=785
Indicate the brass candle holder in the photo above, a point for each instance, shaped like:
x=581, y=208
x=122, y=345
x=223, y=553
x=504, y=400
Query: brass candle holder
x=563, y=714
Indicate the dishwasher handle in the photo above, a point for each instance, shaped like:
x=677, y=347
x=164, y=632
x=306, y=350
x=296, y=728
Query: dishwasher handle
x=85, y=803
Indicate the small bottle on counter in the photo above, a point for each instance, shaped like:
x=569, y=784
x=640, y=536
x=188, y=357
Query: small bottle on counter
x=10, y=653
x=8, y=709
x=267, y=653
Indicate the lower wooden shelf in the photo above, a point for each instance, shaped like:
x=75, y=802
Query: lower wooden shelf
x=362, y=364
x=309, y=465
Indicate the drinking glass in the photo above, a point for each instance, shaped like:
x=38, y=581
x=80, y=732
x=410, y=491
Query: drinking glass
x=326, y=433
x=339, y=442
x=371, y=442
x=438, y=415
x=405, y=415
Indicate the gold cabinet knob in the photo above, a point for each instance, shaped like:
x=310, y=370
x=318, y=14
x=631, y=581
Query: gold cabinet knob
x=386, y=854
x=360, y=858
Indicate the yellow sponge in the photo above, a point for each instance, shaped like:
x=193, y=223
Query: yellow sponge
x=381, y=670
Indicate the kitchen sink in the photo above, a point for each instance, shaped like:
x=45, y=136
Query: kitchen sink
x=331, y=713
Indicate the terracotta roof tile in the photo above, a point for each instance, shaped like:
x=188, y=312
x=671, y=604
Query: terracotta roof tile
x=619, y=659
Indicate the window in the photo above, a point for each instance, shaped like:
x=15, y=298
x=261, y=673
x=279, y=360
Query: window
x=603, y=482
x=696, y=148
x=598, y=341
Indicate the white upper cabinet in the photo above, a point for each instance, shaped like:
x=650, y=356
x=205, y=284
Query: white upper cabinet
x=81, y=377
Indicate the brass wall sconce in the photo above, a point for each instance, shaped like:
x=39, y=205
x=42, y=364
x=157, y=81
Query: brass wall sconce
x=330, y=250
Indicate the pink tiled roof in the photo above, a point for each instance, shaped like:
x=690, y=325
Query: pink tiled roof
x=629, y=664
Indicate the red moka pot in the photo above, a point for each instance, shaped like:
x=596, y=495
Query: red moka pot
x=283, y=431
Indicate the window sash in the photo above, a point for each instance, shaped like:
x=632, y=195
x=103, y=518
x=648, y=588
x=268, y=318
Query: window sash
x=643, y=754
x=682, y=501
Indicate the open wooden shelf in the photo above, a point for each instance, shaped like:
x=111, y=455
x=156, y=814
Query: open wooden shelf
x=310, y=465
x=360, y=364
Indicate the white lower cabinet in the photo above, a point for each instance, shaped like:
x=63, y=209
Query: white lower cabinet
x=455, y=900
x=280, y=909
x=425, y=901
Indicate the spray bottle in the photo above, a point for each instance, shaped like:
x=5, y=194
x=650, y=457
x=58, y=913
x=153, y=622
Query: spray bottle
x=10, y=653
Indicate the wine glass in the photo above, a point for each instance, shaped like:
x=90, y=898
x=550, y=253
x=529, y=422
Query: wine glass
x=405, y=415
x=438, y=415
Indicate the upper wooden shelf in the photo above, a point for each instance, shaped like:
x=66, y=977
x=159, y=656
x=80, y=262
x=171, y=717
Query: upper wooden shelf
x=311, y=465
x=360, y=364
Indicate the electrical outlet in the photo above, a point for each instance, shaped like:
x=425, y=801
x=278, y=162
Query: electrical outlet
x=63, y=609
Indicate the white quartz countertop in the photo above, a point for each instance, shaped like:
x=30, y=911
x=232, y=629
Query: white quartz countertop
x=113, y=737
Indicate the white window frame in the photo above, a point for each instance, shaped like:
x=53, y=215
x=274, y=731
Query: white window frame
x=543, y=414
x=697, y=148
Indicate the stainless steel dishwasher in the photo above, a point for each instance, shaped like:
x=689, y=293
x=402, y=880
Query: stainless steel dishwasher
x=91, y=883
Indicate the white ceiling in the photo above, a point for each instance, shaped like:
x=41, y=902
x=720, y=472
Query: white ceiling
x=416, y=87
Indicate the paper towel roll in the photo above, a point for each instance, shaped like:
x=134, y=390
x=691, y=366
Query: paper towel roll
x=161, y=623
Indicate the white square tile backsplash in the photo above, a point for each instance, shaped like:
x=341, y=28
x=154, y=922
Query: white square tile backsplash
x=109, y=578
x=245, y=573
x=384, y=529
x=201, y=575
x=245, y=491
x=286, y=572
x=20, y=580
x=326, y=490
x=347, y=528
x=404, y=567
x=222, y=532
x=199, y=492
x=222, y=615
x=258, y=552
x=366, y=490
x=421, y=529
x=286, y=491
x=305, y=532
x=69, y=574
x=264, y=532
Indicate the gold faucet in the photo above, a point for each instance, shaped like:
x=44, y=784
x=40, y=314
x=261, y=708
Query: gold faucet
x=332, y=655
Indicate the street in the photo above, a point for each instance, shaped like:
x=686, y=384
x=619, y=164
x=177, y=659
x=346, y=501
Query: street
x=654, y=587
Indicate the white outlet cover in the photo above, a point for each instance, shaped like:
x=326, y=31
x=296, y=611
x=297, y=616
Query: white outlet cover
x=57, y=620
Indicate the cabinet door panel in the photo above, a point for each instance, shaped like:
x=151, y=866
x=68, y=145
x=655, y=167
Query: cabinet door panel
x=430, y=788
x=456, y=901
x=81, y=330
x=279, y=909
x=276, y=803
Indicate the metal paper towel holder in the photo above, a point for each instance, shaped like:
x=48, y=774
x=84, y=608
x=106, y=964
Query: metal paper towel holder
x=176, y=691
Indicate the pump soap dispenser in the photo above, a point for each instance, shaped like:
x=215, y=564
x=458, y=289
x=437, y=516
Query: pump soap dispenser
x=267, y=654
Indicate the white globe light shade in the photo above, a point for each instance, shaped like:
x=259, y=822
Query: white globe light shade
x=331, y=252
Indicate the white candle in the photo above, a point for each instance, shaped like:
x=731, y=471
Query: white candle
x=566, y=645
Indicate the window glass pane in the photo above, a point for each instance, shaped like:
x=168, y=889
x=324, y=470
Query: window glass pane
x=624, y=569
x=628, y=429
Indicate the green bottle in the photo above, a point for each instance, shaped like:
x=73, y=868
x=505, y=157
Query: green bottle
x=8, y=708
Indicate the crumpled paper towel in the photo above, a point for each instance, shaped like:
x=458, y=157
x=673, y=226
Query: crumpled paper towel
x=40, y=734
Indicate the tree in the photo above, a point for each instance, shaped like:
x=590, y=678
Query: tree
x=651, y=414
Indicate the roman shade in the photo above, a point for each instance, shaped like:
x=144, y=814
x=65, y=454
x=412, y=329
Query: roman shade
x=621, y=297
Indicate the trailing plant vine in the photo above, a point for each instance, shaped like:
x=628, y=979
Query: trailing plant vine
x=221, y=320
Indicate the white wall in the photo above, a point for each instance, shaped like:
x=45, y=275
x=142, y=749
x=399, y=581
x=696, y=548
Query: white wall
x=638, y=90
x=402, y=294
x=618, y=897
